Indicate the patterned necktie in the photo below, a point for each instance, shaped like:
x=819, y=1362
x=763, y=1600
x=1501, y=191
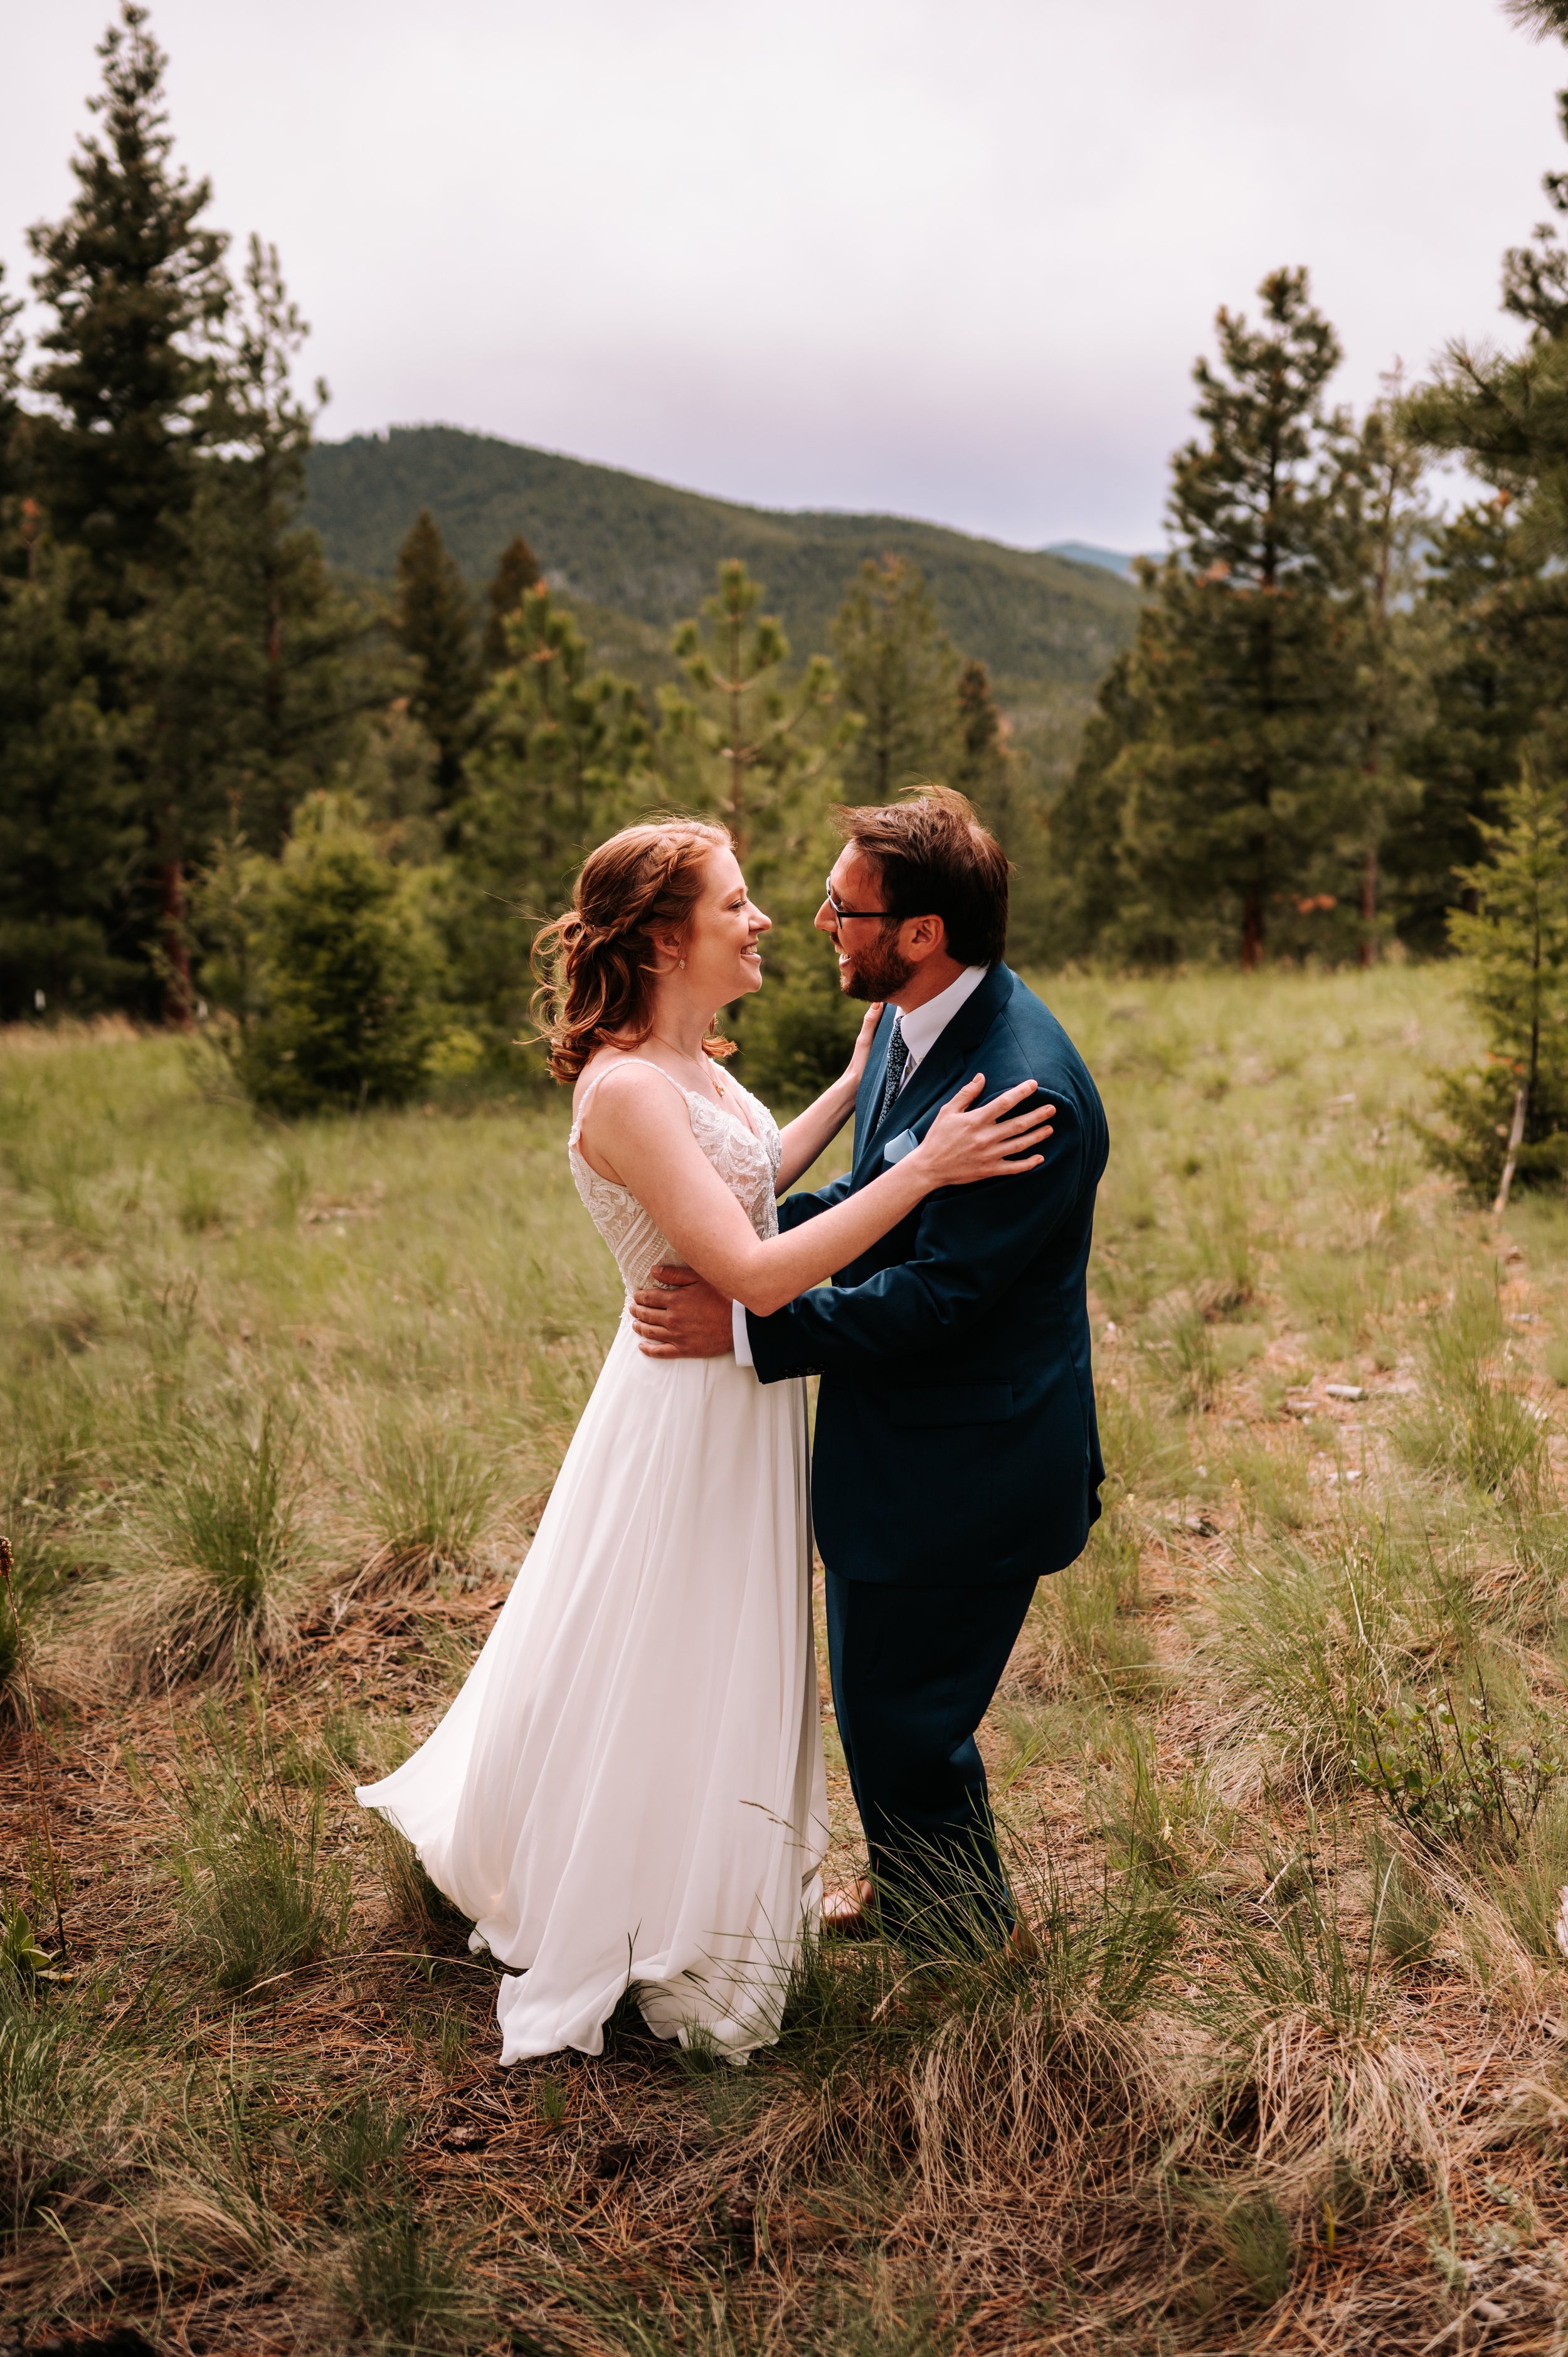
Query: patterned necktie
x=897, y=1057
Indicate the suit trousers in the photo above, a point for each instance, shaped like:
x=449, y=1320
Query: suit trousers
x=914, y=1670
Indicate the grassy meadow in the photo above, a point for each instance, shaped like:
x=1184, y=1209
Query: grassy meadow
x=1282, y=1761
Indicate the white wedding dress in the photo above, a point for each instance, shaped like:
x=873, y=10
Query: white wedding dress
x=629, y=1790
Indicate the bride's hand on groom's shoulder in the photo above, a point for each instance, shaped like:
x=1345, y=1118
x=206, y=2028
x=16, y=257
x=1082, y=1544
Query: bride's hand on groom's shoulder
x=995, y=1140
x=677, y=1316
x=856, y=1065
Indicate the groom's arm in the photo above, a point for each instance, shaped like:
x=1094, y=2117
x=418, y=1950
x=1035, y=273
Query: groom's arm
x=971, y=1244
x=796, y=1208
x=676, y=1316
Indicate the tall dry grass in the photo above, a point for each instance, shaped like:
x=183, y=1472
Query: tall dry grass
x=1284, y=2067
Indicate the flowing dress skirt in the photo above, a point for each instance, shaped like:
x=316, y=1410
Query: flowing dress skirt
x=628, y=1790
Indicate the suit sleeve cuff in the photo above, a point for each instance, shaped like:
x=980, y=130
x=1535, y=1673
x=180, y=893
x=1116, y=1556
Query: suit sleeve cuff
x=743, y=1357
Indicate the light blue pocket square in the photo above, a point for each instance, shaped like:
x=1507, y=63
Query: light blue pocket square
x=897, y=1148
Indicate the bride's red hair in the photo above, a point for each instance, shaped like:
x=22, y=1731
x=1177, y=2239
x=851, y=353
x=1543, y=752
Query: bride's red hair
x=597, y=964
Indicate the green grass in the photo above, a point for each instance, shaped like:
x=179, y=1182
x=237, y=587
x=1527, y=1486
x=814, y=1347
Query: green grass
x=278, y=1413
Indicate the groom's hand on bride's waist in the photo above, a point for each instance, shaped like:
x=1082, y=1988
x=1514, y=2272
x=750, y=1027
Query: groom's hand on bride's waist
x=677, y=1316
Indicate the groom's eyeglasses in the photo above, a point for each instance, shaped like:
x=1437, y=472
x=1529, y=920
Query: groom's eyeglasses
x=840, y=912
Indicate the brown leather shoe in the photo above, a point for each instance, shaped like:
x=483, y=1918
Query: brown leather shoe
x=847, y=1914
x=1023, y=1943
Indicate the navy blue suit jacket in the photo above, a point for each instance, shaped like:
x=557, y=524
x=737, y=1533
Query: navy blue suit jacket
x=956, y=1441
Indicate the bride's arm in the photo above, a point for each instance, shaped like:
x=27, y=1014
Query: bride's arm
x=803, y=1138
x=642, y=1130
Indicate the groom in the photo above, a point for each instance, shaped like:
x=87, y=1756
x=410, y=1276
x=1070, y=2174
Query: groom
x=957, y=1458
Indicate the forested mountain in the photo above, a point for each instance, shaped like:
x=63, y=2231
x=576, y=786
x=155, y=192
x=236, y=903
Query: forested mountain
x=1084, y=552
x=648, y=551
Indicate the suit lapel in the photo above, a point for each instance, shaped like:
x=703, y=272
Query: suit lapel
x=937, y=1077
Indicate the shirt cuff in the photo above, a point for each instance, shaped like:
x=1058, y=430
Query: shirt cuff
x=743, y=1357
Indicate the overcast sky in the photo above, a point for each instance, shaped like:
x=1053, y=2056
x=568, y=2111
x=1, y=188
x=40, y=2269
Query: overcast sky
x=948, y=260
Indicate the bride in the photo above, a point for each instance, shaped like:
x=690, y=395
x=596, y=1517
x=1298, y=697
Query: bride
x=628, y=1790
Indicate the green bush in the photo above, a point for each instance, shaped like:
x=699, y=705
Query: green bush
x=797, y=1034
x=1469, y=1140
x=330, y=964
x=1514, y=939
x=1452, y=1775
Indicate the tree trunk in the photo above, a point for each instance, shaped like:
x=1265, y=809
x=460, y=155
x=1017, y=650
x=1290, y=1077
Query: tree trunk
x=274, y=667
x=1253, y=929
x=1370, y=910
x=177, y=949
x=1516, y=1135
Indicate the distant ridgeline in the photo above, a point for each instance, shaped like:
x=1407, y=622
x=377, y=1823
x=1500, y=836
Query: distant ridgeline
x=644, y=550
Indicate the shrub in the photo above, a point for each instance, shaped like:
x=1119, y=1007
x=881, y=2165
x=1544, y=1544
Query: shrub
x=1514, y=937
x=1452, y=1775
x=1475, y=1113
x=799, y=1033
x=329, y=965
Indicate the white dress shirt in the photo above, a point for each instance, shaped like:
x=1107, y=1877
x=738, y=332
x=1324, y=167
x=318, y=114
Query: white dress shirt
x=922, y=1028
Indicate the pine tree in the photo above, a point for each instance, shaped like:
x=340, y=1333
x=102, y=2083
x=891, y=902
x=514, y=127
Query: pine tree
x=897, y=670
x=564, y=757
x=237, y=660
x=1517, y=938
x=982, y=765
x=11, y=422
x=1514, y=1115
x=65, y=834
x=745, y=741
x=1495, y=587
x=759, y=750
x=292, y=693
x=139, y=296
x=68, y=826
x=517, y=571
x=1098, y=910
x=436, y=630
x=1244, y=776
x=330, y=963
x=1505, y=413
x=1394, y=526
x=1494, y=645
x=1539, y=17
x=139, y=290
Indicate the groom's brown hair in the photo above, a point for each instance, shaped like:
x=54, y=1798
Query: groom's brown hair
x=935, y=859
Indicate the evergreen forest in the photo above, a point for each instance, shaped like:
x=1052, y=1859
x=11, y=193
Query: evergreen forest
x=257, y=689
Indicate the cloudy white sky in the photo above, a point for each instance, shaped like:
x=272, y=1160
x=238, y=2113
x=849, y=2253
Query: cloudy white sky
x=948, y=260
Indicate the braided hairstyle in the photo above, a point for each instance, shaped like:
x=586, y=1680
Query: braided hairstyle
x=596, y=965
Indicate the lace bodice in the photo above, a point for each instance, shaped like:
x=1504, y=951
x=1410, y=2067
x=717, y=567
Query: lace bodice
x=747, y=1162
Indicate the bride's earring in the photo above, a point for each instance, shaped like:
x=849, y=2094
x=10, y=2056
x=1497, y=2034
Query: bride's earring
x=683, y=965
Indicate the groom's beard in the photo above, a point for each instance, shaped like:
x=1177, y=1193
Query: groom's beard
x=877, y=972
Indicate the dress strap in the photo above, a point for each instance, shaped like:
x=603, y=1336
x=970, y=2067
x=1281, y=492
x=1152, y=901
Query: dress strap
x=621, y=1055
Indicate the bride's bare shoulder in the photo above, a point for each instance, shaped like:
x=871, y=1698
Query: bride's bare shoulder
x=618, y=1080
